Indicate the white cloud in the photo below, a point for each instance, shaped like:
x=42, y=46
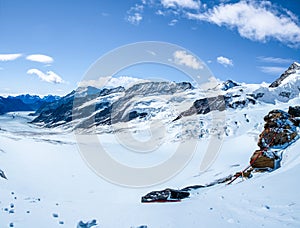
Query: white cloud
x=274, y=70
x=173, y=22
x=109, y=82
x=275, y=60
x=49, y=76
x=135, y=19
x=9, y=57
x=40, y=58
x=134, y=14
x=190, y=4
x=183, y=58
x=225, y=61
x=258, y=21
x=160, y=12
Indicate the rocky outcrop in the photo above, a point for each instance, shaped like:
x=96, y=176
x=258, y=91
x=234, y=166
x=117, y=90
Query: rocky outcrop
x=228, y=84
x=217, y=103
x=165, y=196
x=204, y=106
x=294, y=111
x=264, y=160
x=88, y=224
x=291, y=70
x=280, y=130
x=2, y=174
x=172, y=195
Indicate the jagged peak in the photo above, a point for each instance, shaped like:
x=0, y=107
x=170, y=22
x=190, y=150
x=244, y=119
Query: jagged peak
x=293, y=68
x=296, y=63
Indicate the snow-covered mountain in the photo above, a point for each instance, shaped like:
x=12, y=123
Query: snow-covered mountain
x=25, y=102
x=49, y=185
x=89, y=107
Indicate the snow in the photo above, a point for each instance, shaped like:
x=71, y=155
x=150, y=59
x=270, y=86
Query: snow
x=47, y=177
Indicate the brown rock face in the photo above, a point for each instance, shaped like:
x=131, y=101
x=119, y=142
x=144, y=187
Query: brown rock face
x=279, y=132
x=262, y=161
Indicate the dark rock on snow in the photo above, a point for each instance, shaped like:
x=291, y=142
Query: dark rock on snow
x=2, y=174
x=228, y=85
x=165, y=196
x=88, y=224
x=294, y=111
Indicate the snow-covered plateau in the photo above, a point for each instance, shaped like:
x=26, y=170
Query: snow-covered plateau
x=50, y=185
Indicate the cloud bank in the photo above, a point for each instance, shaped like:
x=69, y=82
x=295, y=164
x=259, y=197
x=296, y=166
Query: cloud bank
x=225, y=61
x=254, y=20
x=183, y=58
x=9, y=57
x=40, y=58
x=110, y=82
x=49, y=76
x=190, y=4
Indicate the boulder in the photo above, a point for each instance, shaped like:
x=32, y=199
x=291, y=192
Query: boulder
x=262, y=161
x=294, y=111
x=165, y=196
x=88, y=224
x=2, y=174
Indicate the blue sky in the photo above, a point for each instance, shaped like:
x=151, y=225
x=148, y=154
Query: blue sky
x=47, y=46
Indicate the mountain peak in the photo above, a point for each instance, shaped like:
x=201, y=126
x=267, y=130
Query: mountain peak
x=294, y=67
x=296, y=64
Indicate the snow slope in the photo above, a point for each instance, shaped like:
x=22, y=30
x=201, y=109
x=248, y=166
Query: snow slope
x=49, y=185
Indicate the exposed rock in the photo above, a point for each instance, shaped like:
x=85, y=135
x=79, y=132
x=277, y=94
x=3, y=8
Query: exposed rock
x=279, y=131
x=204, y=106
x=228, y=84
x=2, y=174
x=171, y=195
x=218, y=103
x=291, y=70
x=88, y=224
x=193, y=187
x=262, y=161
x=294, y=111
x=165, y=196
x=134, y=114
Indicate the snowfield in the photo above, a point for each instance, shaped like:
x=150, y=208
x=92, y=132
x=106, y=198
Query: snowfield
x=50, y=185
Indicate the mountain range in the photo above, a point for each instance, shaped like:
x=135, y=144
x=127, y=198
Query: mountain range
x=88, y=107
x=25, y=102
